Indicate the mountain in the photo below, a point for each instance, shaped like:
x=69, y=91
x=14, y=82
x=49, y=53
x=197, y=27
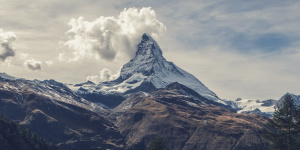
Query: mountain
x=55, y=113
x=147, y=71
x=259, y=107
x=250, y=106
x=176, y=113
x=186, y=97
x=151, y=98
x=296, y=99
x=186, y=122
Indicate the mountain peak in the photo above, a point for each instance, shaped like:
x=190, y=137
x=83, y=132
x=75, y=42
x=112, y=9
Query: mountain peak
x=149, y=70
x=148, y=48
x=296, y=99
x=149, y=66
x=146, y=37
x=147, y=61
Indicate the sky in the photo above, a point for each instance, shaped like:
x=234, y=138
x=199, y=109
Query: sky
x=237, y=48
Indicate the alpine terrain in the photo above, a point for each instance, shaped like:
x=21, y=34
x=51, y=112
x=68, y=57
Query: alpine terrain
x=147, y=71
x=151, y=98
x=52, y=111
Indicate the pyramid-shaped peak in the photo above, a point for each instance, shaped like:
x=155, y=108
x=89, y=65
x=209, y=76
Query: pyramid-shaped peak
x=149, y=70
x=148, y=47
x=147, y=37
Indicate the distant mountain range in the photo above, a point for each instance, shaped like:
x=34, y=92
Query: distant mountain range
x=55, y=113
x=151, y=97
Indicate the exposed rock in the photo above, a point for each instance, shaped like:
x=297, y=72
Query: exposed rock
x=68, y=125
x=187, y=123
x=147, y=71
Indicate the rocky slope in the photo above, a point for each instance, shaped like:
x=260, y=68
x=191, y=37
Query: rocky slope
x=55, y=113
x=147, y=71
x=151, y=98
x=177, y=113
x=186, y=122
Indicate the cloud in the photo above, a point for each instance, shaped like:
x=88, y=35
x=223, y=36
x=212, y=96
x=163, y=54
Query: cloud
x=23, y=55
x=33, y=64
x=49, y=62
x=104, y=75
x=253, y=41
x=108, y=37
x=6, y=41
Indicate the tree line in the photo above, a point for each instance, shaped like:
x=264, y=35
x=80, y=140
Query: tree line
x=283, y=129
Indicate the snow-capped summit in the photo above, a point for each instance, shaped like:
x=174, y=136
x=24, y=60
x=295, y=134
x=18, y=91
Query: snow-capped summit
x=149, y=48
x=148, y=56
x=149, y=70
x=296, y=99
x=252, y=106
x=261, y=107
x=148, y=61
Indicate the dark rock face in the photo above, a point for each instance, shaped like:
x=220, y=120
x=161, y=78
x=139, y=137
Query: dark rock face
x=187, y=123
x=177, y=113
x=143, y=103
x=183, y=90
x=109, y=100
x=269, y=102
x=14, y=136
x=67, y=125
x=144, y=87
x=112, y=100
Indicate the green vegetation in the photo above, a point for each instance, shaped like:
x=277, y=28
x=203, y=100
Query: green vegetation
x=283, y=129
x=14, y=136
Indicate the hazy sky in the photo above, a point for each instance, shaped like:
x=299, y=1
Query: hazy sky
x=237, y=48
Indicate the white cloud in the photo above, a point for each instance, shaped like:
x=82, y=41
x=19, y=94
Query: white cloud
x=6, y=40
x=104, y=75
x=23, y=55
x=109, y=37
x=193, y=27
x=49, y=62
x=33, y=64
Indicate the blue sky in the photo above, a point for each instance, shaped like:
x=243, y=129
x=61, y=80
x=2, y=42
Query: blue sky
x=237, y=48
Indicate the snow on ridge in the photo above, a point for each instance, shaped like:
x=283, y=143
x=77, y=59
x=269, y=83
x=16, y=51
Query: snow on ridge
x=131, y=83
x=296, y=99
x=262, y=107
x=150, y=66
x=50, y=89
x=251, y=106
x=149, y=61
